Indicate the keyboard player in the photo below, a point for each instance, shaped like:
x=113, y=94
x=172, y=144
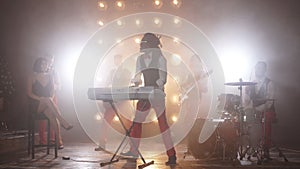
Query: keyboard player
x=152, y=65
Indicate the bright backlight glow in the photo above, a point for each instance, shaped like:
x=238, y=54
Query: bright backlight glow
x=236, y=62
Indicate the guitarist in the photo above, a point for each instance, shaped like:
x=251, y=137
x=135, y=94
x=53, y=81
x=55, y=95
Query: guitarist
x=196, y=82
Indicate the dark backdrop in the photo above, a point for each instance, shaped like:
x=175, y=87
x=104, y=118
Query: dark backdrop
x=31, y=28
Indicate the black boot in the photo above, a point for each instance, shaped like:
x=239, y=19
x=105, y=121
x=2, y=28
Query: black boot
x=172, y=160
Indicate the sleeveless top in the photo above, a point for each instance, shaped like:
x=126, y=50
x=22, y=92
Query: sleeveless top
x=41, y=91
x=260, y=96
x=151, y=73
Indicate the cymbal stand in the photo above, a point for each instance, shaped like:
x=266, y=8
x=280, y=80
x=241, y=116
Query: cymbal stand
x=113, y=160
x=241, y=114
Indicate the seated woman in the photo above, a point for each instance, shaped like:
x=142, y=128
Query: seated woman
x=40, y=90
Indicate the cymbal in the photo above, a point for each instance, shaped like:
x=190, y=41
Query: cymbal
x=240, y=83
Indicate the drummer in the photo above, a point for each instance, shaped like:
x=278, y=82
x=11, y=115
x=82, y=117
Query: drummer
x=261, y=98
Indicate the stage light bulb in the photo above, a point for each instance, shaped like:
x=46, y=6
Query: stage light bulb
x=176, y=3
x=120, y=4
x=100, y=22
x=137, y=22
x=118, y=40
x=175, y=99
x=102, y=5
x=154, y=119
x=157, y=4
x=156, y=21
x=98, y=117
x=116, y=118
x=119, y=23
x=175, y=40
x=176, y=21
x=174, y=118
x=137, y=40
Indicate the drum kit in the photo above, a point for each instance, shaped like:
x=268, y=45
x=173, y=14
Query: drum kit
x=227, y=140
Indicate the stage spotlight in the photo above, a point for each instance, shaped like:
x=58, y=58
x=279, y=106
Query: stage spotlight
x=157, y=4
x=120, y=5
x=100, y=22
x=102, y=5
x=176, y=3
x=236, y=58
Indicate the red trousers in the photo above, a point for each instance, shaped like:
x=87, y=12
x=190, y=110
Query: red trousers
x=143, y=108
x=267, y=128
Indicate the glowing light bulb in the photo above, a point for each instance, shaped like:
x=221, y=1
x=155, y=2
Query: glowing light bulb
x=157, y=2
x=100, y=22
x=118, y=40
x=137, y=40
x=175, y=2
x=116, y=118
x=176, y=21
x=119, y=23
x=156, y=21
x=98, y=117
x=174, y=118
x=175, y=40
x=102, y=5
x=120, y=4
x=137, y=22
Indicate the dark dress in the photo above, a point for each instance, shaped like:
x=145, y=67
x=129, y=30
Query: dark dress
x=41, y=91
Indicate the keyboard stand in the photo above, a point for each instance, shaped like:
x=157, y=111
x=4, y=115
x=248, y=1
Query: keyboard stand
x=113, y=160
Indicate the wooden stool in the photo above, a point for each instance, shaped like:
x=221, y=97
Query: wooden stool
x=33, y=118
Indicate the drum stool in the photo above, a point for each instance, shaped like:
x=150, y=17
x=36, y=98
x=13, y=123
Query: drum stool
x=33, y=118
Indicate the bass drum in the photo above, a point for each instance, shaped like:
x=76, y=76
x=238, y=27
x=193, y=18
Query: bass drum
x=225, y=134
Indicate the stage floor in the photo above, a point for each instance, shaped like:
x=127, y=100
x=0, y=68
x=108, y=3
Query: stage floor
x=82, y=155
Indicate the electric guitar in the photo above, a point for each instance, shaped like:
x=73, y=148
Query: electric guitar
x=185, y=94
